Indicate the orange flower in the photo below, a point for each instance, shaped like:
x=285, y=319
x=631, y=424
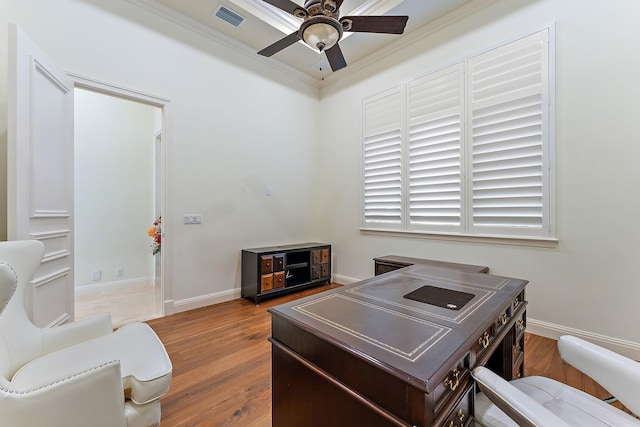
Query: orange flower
x=155, y=233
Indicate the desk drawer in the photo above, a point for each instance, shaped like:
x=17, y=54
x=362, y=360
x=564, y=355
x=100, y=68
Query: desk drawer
x=520, y=326
x=461, y=416
x=518, y=358
x=481, y=346
x=453, y=385
x=501, y=321
x=517, y=302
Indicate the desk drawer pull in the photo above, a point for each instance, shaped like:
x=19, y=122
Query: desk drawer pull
x=453, y=384
x=520, y=325
x=460, y=416
x=484, y=340
x=503, y=319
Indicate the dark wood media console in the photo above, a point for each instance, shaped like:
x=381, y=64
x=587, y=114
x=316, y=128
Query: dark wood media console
x=362, y=354
x=274, y=270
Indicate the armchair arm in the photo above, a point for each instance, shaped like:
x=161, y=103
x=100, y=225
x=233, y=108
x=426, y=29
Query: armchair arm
x=93, y=397
x=66, y=335
x=513, y=402
x=619, y=375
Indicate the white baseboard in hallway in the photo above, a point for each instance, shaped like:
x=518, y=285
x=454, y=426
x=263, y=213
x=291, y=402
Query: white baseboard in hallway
x=97, y=288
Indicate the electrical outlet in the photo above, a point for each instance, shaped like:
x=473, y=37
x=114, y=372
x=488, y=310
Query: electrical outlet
x=119, y=271
x=97, y=275
x=192, y=219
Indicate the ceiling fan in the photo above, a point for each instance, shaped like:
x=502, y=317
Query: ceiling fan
x=322, y=28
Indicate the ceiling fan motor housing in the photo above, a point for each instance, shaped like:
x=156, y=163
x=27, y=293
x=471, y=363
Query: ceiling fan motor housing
x=321, y=31
x=315, y=7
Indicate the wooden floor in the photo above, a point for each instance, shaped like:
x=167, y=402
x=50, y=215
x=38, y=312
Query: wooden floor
x=222, y=364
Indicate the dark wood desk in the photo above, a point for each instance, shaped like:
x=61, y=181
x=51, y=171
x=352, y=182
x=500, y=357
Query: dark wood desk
x=387, y=263
x=364, y=355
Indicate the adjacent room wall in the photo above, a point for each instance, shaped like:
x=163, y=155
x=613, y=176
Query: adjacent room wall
x=113, y=189
x=589, y=282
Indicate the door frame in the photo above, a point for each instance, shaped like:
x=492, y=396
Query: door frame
x=165, y=105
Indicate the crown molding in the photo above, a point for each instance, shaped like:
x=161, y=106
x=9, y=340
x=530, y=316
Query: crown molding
x=190, y=24
x=407, y=40
x=183, y=21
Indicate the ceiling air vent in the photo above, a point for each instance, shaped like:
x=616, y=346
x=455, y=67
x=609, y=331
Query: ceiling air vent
x=229, y=15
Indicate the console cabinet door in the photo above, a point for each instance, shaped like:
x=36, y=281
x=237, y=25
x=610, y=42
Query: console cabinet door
x=266, y=264
x=316, y=257
x=266, y=282
x=278, y=280
x=278, y=262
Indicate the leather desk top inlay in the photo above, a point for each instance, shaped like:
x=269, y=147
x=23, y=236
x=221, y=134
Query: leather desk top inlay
x=372, y=320
x=353, y=317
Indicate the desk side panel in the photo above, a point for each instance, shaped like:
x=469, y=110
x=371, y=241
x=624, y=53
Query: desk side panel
x=369, y=380
x=303, y=395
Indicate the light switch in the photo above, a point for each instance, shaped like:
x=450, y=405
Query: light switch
x=192, y=219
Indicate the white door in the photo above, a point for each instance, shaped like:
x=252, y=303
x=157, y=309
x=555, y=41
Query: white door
x=40, y=173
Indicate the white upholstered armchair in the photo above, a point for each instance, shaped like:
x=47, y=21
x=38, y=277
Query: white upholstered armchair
x=77, y=374
x=543, y=402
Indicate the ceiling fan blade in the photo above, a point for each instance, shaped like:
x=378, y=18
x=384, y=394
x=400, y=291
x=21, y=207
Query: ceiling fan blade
x=335, y=57
x=377, y=24
x=286, y=5
x=279, y=45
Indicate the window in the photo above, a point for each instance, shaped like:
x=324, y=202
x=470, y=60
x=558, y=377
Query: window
x=465, y=149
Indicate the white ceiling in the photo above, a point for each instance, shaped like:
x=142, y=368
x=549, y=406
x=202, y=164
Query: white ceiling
x=258, y=30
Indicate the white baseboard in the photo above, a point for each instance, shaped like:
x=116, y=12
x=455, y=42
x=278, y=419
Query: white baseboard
x=93, y=289
x=626, y=348
x=205, y=300
x=344, y=280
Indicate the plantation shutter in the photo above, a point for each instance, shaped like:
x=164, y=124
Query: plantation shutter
x=382, y=160
x=436, y=114
x=508, y=108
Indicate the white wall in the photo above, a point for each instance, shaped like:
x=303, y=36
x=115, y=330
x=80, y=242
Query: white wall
x=590, y=280
x=113, y=188
x=237, y=125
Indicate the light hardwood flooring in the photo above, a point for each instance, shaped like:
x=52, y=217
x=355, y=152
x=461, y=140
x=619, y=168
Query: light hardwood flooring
x=222, y=364
x=134, y=304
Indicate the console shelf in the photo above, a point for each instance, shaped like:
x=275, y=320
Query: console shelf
x=274, y=270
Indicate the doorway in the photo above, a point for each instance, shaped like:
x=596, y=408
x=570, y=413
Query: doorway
x=117, y=193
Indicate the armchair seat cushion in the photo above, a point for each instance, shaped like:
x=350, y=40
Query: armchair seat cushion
x=573, y=406
x=145, y=365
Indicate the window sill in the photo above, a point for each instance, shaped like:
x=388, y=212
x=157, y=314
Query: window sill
x=537, y=242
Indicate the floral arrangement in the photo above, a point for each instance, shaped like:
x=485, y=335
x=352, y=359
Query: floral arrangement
x=155, y=233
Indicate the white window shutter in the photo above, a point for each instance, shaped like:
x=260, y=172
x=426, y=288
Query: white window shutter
x=508, y=102
x=436, y=114
x=382, y=161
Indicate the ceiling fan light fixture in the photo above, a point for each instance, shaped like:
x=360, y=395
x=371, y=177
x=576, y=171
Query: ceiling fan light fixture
x=321, y=32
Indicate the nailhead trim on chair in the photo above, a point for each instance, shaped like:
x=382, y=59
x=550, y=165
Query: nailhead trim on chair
x=59, y=381
x=14, y=288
